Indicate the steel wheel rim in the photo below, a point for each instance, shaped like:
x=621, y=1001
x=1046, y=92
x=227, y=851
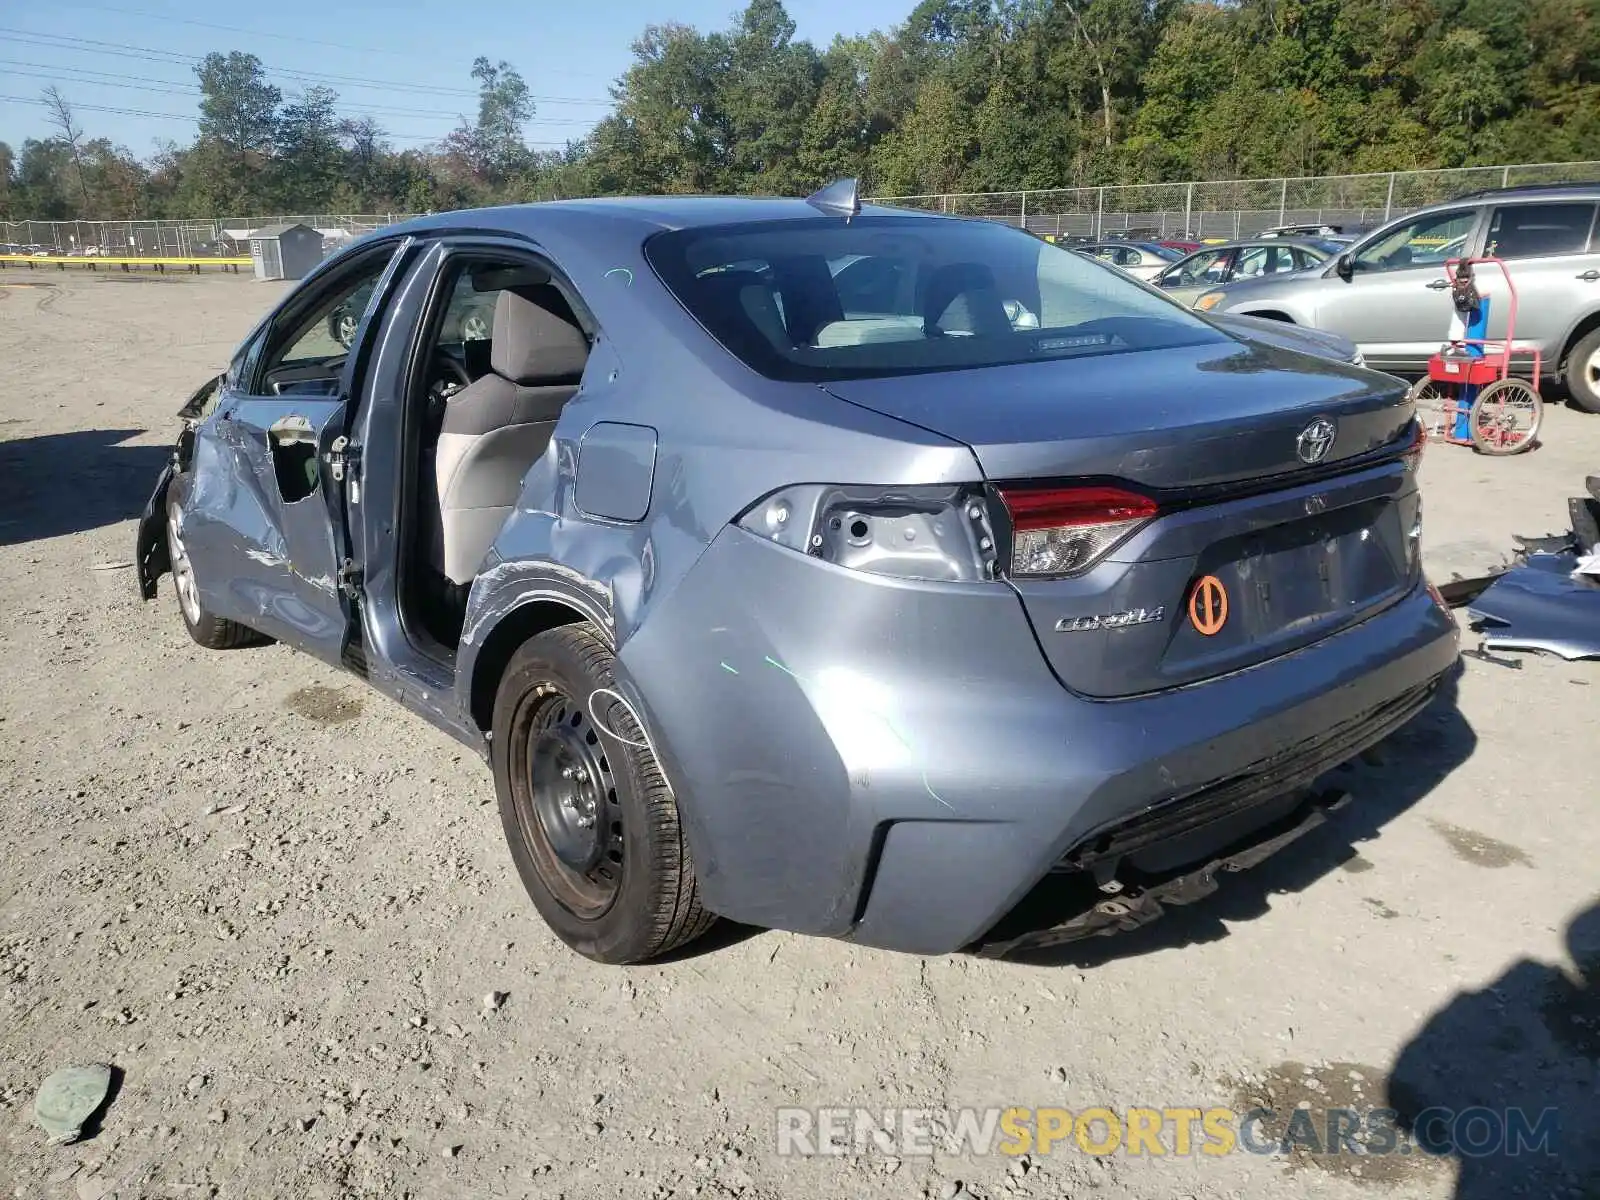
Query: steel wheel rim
x=1435, y=406
x=182, y=570
x=1498, y=405
x=573, y=822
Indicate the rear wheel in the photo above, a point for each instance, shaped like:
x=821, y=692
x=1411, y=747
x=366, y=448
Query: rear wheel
x=1435, y=404
x=212, y=632
x=1583, y=372
x=593, y=828
x=1506, y=417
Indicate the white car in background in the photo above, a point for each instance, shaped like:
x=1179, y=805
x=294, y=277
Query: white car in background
x=1142, y=260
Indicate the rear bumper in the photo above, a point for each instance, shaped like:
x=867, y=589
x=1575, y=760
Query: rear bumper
x=894, y=763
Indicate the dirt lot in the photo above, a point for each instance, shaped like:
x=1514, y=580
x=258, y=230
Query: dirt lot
x=276, y=903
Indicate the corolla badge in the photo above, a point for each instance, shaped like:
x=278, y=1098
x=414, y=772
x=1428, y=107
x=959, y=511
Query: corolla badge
x=1315, y=440
x=1116, y=620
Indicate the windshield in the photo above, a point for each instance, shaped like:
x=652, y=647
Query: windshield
x=821, y=300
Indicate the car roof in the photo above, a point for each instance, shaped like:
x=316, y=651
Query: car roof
x=643, y=215
x=1526, y=194
x=1304, y=243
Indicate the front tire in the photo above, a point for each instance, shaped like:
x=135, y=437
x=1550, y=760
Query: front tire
x=212, y=632
x=592, y=825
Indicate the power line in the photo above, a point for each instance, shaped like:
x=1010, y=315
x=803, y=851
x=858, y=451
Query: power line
x=175, y=58
x=113, y=79
x=139, y=112
x=289, y=37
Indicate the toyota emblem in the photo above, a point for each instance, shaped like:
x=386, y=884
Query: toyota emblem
x=1315, y=440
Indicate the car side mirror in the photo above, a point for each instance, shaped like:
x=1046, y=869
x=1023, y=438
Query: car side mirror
x=1345, y=267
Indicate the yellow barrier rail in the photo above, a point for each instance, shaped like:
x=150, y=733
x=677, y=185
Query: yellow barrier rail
x=95, y=262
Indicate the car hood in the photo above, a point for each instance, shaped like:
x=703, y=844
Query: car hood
x=1321, y=342
x=1187, y=416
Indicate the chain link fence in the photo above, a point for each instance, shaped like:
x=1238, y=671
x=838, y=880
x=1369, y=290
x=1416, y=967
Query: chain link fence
x=1214, y=209
x=224, y=236
x=1238, y=207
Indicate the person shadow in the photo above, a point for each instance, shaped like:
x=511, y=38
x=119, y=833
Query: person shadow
x=1506, y=1080
x=63, y=483
x=1385, y=782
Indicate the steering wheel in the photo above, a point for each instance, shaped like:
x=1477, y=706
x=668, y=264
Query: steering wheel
x=445, y=368
x=446, y=377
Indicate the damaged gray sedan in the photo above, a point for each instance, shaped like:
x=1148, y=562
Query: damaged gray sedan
x=870, y=574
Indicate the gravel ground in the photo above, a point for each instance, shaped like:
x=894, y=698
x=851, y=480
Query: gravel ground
x=277, y=903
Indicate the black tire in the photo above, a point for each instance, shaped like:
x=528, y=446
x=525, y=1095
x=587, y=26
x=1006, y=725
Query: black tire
x=212, y=632
x=634, y=896
x=1583, y=372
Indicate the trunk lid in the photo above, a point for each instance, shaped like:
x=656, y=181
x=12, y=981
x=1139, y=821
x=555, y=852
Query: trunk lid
x=1297, y=550
x=1185, y=417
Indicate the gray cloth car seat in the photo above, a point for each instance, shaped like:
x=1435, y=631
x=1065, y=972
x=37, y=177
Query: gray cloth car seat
x=497, y=427
x=963, y=298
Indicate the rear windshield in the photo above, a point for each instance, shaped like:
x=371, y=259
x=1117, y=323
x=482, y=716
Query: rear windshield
x=821, y=300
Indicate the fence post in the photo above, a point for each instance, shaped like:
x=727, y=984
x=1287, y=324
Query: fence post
x=1024, y=208
x=1188, y=208
x=1099, y=209
x=1388, y=203
x=1505, y=177
x=1283, y=201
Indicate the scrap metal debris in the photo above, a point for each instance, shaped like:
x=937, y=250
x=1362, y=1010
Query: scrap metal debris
x=1547, y=599
x=1545, y=605
x=69, y=1099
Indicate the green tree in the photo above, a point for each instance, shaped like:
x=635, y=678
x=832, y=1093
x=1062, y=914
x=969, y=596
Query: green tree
x=309, y=158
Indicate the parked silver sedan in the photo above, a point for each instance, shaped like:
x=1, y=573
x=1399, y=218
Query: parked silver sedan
x=1142, y=260
x=1253, y=258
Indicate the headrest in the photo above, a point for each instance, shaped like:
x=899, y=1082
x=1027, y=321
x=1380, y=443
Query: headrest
x=737, y=302
x=537, y=340
x=966, y=293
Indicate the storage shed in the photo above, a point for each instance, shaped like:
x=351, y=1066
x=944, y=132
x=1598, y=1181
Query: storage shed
x=285, y=251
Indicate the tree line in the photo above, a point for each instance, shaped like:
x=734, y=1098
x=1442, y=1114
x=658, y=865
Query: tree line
x=965, y=96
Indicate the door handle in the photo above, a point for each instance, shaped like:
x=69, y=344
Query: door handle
x=1589, y=276
x=1438, y=285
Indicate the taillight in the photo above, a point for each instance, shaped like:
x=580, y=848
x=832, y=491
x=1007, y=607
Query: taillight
x=1061, y=531
x=1412, y=455
x=938, y=533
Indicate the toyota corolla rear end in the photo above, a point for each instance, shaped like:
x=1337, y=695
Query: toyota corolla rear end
x=1182, y=583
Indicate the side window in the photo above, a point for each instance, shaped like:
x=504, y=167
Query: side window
x=242, y=368
x=1209, y=266
x=469, y=317
x=1537, y=230
x=1423, y=242
x=1280, y=259
x=1253, y=262
x=306, y=354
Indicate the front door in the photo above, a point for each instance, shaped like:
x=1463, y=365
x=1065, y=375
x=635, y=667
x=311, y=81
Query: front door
x=264, y=516
x=1396, y=304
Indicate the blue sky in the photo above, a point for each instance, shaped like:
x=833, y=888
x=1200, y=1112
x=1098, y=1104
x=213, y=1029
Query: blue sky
x=413, y=58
